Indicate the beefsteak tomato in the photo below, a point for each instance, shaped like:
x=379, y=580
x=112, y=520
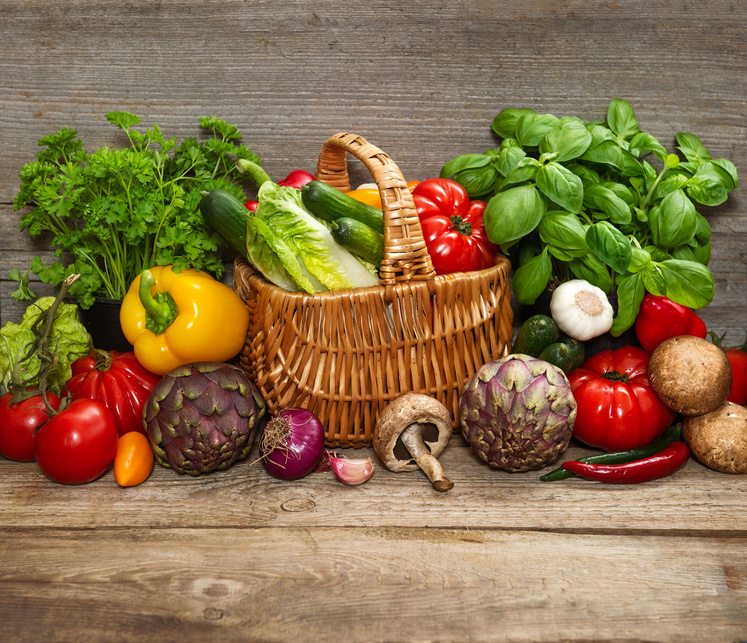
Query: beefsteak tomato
x=617, y=408
x=453, y=227
x=18, y=421
x=78, y=444
x=119, y=381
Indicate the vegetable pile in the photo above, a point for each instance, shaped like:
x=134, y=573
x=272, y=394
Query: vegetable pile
x=576, y=206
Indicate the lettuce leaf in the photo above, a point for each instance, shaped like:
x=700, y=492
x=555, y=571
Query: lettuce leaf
x=325, y=264
x=68, y=337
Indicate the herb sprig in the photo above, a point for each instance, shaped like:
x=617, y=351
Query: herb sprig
x=574, y=199
x=115, y=212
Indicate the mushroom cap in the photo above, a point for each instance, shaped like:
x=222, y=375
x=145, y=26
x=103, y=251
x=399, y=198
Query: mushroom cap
x=404, y=411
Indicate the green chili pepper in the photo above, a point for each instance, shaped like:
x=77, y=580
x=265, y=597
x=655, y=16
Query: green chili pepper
x=673, y=434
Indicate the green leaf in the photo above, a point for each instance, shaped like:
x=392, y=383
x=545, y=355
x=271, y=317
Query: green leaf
x=687, y=282
x=643, y=144
x=709, y=184
x=504, y=124
x=564, y=230
x=621, y=119
x=590, y=268
x=561, y=185
x=509, y=157
x=640, y=259
x=674, y=222
x=513, y=214
x=531, y=128
x=630, y=293
x=123, y=120
x=598, y=197
x=729, y=173
x=610, y=245
x=463, y=162
x=691, y=146
x=569, y=141
x=530, y=280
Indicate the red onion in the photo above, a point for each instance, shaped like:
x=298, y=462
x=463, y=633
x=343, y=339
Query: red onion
x=292, y=444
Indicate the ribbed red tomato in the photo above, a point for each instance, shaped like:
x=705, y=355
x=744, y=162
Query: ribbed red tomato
x=119, y=381
x=617, y=408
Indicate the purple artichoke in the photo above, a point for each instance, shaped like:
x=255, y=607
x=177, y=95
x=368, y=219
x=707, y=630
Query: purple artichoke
x=203, y=417
x=517, y=413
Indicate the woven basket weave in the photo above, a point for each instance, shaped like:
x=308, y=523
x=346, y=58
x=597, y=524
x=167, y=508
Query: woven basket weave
x=346, y=354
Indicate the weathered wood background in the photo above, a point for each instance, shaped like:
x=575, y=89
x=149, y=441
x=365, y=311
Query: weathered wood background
x=502, y=557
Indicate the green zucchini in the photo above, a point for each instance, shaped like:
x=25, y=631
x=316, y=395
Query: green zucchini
x=359, y=239
x=228, y=216
x=535, y=335
x=330, y=204
x=567, y=353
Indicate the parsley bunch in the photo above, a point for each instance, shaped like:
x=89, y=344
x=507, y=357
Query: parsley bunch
x=116, y=212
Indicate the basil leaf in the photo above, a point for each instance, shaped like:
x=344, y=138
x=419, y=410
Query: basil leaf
x=524, y=170
x=700, y=252
x=674, y=222
x=620, y=190
x=564, y=230
x=561, y=186
x=691, y=146
x=597, y=197
x=531, y=128
x=590, y=268
x=630, y=293
x=509, y=157
x=477, y=181
x=687, y=282
x=569, y=141
x=621, y=119
x=513, y=214
x=504, y=124
x=707, y=185
x=586, y=174
x=530, y=280
x=729, y=173
x=653, y=280
x=631, y=166
x=643, y=144
x=463, y=162
x=610, y=245
x=672, y=183
x=639, y=259
x=702, y=228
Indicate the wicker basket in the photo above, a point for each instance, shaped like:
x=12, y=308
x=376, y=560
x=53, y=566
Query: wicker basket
x=346, y=354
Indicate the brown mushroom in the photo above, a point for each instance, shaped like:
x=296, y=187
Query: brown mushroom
x=410, y=433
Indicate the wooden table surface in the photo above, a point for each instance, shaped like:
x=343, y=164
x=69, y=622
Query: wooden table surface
x=238, y=555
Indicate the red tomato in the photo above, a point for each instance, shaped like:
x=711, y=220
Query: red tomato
x=453, y=227
x=18, y=422
x=78, y=444
x=119, y=381
x=617, y=408
x=738, y=361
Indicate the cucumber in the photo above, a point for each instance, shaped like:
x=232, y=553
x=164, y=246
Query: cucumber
x=359, y=239
x=567, y=353
x=329, y=204
x=535, y=335
x=228, y=216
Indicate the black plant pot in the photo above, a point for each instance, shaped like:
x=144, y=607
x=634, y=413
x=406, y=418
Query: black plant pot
x=604, y=342
x=102, y=323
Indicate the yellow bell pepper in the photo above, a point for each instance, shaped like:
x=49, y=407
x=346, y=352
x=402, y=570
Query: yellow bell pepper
x=371, y=196
x=172, y=319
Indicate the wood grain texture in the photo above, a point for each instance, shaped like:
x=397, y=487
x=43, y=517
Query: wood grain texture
x=241, y=556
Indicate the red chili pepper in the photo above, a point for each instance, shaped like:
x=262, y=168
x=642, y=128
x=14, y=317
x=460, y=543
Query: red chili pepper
x=665, y=463
x=251, y=205
x=661, y=318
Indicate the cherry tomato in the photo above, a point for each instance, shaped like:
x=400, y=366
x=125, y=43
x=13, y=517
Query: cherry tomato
x=18, y=422
x=617, y=408
x=78, y=444
x=738, y=361
x=119, y=381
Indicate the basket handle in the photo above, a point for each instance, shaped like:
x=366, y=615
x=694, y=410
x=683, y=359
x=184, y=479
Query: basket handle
x=405, y=255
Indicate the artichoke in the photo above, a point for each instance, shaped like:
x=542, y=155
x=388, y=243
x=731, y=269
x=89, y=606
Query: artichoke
x=517, y=413
x=203, y=417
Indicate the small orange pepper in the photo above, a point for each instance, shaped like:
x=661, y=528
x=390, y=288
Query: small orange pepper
x=371, y=196
x=134, y=460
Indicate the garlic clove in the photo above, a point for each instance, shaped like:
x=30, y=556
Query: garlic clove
x=350, y=472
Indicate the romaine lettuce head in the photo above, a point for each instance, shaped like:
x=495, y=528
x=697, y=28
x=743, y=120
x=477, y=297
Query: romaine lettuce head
x=310, y=241
x=68, y=338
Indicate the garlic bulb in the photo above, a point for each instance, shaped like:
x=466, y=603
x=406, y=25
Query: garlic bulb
x=580, y=310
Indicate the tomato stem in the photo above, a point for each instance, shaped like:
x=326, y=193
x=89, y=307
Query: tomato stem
x=614, y=376
x=461, y=226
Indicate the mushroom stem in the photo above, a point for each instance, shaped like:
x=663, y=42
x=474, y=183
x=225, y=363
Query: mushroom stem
x=412, y=438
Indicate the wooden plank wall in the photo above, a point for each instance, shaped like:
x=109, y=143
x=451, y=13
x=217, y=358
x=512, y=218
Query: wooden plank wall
x=423, y=81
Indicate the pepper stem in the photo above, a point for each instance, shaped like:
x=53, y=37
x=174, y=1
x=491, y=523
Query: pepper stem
x=160, y=309
x=256, y=173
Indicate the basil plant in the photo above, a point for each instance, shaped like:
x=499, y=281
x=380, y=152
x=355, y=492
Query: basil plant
x=573, y=199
